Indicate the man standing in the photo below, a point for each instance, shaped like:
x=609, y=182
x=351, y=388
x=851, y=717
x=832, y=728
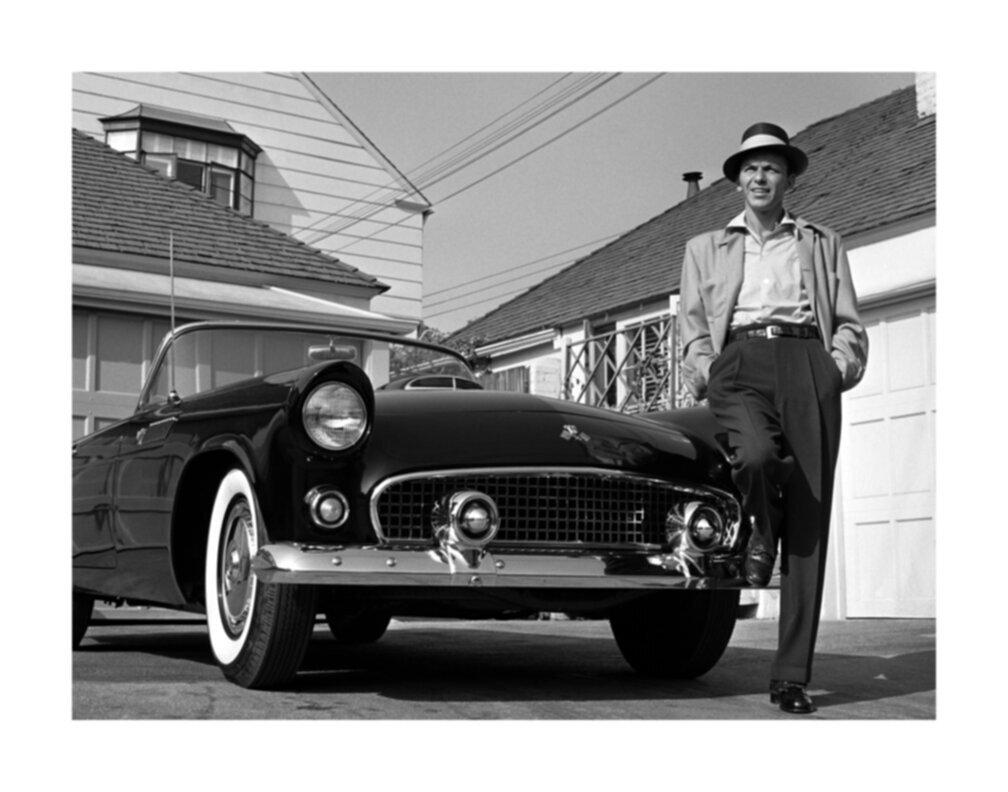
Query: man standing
x=771, y=336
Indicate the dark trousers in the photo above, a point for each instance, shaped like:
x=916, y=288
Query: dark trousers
x=779, y=401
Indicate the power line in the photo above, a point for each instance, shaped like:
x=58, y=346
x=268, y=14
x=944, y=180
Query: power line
x=414, y=173
x=552, y=139
x=479, y=302
x=542, y=120
x=442, y=176
x=496, y=285
x=521, y=266
x=454, y=145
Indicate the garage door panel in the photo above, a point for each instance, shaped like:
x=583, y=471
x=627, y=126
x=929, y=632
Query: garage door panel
x=886, y=473
x=870, y=550
x=866, y=456
x=911, y=455
x=873, y=381
x=907, y=352
x=916, y=561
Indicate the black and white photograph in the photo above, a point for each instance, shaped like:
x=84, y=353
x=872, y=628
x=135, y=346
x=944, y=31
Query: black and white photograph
x=508, y=405
x=327, y=446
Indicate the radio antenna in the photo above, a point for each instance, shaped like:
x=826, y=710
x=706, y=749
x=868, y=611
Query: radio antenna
x=172, y=393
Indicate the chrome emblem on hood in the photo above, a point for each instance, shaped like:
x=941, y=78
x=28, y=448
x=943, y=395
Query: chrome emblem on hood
x=570, y=432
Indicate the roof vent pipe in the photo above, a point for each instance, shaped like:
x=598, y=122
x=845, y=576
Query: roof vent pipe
x=692, y=179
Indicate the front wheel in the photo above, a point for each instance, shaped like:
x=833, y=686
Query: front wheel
x=679, y=634
x=258, y=632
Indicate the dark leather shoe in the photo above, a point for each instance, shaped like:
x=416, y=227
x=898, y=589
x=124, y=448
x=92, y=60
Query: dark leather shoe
x=759, y=564
x=791, y=696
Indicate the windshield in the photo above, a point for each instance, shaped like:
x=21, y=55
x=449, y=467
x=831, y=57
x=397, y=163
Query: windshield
x=214, y=356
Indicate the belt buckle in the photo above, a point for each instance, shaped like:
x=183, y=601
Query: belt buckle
x=771, y=331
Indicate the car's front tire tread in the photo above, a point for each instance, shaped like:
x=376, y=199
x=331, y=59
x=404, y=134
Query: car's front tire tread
x=285, y=619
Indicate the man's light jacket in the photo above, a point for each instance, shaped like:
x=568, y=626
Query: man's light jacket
x=711, y=281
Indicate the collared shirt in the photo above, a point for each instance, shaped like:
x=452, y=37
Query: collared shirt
x=772, y=290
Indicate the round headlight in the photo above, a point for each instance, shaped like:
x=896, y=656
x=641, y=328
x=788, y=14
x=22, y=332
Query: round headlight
x=334, y=416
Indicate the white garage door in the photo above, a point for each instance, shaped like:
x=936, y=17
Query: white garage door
x=886, y=478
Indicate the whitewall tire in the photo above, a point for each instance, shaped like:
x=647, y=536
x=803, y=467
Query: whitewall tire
x=258, y=632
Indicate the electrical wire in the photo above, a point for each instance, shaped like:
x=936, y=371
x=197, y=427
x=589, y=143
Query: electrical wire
x=453, y=146
x=520, y=266
x=416, y=170
x=594, y=115
x=427, y=178
x=553, y=139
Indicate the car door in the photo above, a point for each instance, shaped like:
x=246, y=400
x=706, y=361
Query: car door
x=145, y=479
x=94, y=461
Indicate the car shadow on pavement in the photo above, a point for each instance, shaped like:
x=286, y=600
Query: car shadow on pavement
x=502, y=665
x=489, y=665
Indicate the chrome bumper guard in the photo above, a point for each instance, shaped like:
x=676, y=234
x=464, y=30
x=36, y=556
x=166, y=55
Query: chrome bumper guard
x=291, y=563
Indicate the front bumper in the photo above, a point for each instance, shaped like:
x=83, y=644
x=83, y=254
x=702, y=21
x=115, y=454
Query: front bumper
x=290, y=563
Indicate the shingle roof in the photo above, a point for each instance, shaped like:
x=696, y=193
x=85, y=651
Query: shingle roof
x=869, y=167
x=122, y=207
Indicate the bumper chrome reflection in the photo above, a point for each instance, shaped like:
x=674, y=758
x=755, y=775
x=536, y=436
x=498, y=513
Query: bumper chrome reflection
x=381, y=566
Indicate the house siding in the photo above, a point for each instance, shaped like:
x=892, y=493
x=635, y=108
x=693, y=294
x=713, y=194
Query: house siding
x=310, y=176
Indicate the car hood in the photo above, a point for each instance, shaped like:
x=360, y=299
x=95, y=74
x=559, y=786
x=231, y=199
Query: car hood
x=428, y=430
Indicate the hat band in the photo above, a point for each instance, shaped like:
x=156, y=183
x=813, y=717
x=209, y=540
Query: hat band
x=760, y=141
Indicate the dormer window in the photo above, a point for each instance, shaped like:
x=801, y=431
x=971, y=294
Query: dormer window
x=205, y=153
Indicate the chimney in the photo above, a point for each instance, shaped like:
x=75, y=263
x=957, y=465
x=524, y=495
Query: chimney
x=692, y=179
x=924, y=82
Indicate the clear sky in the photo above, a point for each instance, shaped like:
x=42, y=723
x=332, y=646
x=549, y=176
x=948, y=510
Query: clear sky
x=603, y=178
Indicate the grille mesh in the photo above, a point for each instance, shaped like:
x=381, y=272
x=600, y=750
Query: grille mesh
x=592, y=509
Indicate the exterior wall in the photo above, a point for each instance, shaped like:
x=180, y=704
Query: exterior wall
x=313, y=175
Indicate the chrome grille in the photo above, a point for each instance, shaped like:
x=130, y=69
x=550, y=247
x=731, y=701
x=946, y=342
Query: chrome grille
x=572, y=507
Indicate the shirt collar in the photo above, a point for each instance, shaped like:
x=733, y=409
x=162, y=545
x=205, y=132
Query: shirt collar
x=739, y=222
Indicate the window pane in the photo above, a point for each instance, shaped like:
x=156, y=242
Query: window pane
x=79, y=377
x=123, y=140
x=120, y=352
x=159, y=329
x=162, y=163
x=184, y=353
x=191, y=149
x=78, y=426
x=245, y=186
x=190, y=173
x=222, y=155
x=155, y=143
x=232, y=357
x=222, y=186
x=244, y=205
x=285, y=351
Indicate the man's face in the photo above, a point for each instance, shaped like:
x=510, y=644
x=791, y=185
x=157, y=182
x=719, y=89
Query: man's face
x=764, y=179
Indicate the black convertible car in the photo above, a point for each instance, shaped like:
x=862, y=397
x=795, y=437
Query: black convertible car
x=264, y=479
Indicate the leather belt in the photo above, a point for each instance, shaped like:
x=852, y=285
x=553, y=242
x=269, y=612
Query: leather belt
x=774, y=331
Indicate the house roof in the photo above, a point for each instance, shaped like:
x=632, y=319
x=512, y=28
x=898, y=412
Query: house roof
x=870, y=167
x=158, y=113
x=119, y=206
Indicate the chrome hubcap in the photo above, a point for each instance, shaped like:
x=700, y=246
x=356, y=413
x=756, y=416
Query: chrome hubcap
x=238, y=544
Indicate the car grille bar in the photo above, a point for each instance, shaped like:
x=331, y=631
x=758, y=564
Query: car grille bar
x=577, y=507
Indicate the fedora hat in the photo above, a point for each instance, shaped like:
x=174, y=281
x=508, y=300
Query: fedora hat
x=765, y=137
